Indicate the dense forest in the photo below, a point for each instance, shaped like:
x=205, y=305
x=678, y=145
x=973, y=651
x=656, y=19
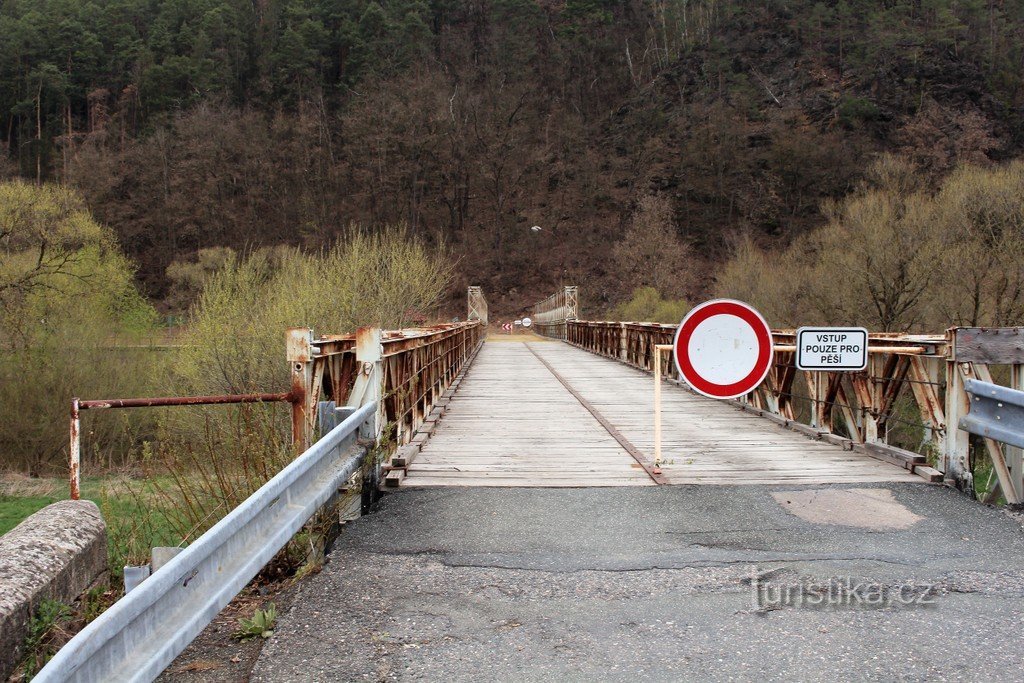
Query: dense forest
x=191, y=126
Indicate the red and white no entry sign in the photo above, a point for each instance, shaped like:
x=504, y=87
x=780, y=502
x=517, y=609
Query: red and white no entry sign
x=723, y=348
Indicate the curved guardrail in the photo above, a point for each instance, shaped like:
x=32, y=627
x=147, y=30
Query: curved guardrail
x=996, y=412
x=137, y=638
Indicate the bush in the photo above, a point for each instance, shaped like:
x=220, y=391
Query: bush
x=234, y=341
x=68, y=309
x=895, y=257
x=647, y=305
x=216, y=456
x=855, y=110
x=651, y=253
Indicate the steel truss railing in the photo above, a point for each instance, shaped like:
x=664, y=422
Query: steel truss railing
x=913, y=383
x=551, y=315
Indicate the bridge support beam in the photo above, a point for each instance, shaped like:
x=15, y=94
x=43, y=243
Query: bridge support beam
x=369, y=384
x=957, y=443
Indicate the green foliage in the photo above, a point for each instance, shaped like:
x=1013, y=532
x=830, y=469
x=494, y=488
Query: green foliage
x=261, y=625
x=50, y=616
x=67, y=303
x=188, y=277
x=853, y=111
x=235, y=337
x=647, y=305
x=217, y=456
x=138, y=519
x=895, y=257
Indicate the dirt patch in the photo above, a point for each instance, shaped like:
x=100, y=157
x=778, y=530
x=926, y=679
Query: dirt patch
x=216, y=656
x=865, y=508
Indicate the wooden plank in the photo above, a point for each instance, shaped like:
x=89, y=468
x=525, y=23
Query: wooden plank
x=989, y=346
x=513, y=424
x=896, y=456
x=928, y=473
x=404, y=456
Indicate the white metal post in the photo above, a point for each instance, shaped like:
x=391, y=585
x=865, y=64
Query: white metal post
x=658, y=348
x=657, y=408
x=369, y=384
x=957, y=442
x=75, y=452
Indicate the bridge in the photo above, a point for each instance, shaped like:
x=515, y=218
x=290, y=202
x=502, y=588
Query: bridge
x=530, y=534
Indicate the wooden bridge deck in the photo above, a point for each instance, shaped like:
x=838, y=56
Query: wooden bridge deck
x=514, y=422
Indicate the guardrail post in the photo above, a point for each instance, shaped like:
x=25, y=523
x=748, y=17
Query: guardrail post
x=1014, y=455
x=299, y=351
x=369, y=384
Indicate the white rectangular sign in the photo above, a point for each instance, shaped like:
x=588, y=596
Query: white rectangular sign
x=831, y=348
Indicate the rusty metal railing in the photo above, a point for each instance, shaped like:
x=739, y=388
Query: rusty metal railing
x=914, y=384
x=417, y=366
x=78, y=405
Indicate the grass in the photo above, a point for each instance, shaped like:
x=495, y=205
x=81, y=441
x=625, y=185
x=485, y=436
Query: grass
x=50, y=619
x=135, y=522
x=14, y=509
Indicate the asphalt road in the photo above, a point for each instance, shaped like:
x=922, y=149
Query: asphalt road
x=663, y=584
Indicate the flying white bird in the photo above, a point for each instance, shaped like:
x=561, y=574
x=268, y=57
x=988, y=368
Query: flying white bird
x=536, y=228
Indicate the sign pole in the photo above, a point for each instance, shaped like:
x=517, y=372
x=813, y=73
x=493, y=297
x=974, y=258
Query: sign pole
x=722, y=349
x=657, y=409
x=658, y=348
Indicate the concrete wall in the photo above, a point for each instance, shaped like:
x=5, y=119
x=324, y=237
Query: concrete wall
x=57, y=553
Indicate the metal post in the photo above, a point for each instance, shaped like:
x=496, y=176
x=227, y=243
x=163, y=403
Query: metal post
x=369, y=384
x=657, y=410
x=957, y=441
x=299, y=351
x=1014, y=455
x=75, y=451
x=869, y=413
x=658, y=348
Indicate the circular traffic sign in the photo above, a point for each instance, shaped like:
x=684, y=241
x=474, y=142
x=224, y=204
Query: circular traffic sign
x=527, y=322
x=723, y=348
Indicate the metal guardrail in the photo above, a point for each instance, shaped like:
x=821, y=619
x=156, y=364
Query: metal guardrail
x=137, y=638
x=996, y=413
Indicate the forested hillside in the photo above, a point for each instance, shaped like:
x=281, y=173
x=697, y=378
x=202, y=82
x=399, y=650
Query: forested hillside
x=195, y=124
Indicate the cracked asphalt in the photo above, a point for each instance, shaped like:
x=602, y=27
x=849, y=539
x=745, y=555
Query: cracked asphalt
x=656, y=584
